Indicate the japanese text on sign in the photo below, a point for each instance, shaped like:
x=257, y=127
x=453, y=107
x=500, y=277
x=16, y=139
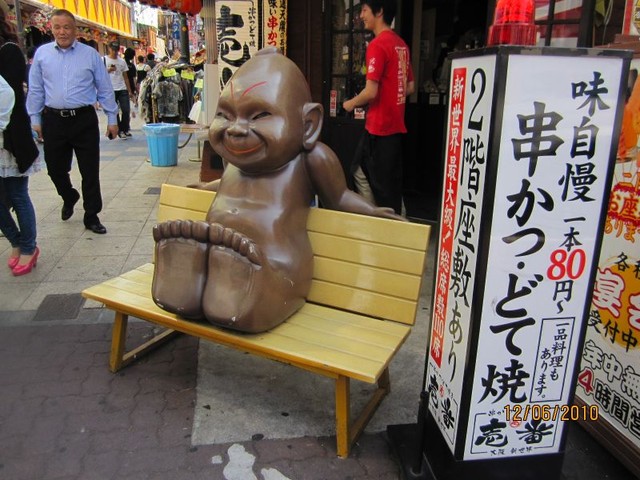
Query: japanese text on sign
x=550, y=191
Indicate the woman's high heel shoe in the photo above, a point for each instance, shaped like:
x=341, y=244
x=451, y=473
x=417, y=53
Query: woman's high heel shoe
x=24, y=269
x=12, y=262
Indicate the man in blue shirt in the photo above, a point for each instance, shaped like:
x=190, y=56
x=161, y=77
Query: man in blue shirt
x=65, y=81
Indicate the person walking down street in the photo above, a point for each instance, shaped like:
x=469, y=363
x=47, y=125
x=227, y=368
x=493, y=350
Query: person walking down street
x=389, y=81
x=122, y=88
x=19, y=156
x=129, y=56
x=65, y=81
x=31, y=51
x=142, y=69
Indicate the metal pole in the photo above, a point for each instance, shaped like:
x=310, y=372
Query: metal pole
x=585, y=35
x=208, y=15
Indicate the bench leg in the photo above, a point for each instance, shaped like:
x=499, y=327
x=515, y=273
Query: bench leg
x=343, y=407
x=118, y=338
x=347, y=433
x=118, y=358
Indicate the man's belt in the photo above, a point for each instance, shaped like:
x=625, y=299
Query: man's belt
x=68, y=112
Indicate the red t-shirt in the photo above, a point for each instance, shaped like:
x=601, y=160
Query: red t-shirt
x=388, y=63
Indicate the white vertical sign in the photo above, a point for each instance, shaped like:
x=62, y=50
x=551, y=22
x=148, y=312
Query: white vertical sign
x=553, y=158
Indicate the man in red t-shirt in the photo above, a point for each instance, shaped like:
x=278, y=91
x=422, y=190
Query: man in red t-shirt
x=389, y=81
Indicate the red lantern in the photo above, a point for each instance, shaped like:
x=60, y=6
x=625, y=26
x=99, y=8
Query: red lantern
x=188, y=7
x=513, y=23
x=196, y=7
x=174, y=5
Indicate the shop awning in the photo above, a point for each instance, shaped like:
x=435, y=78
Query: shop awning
x=113, y=12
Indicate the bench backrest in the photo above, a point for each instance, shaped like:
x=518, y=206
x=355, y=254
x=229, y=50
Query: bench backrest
x=367, y=265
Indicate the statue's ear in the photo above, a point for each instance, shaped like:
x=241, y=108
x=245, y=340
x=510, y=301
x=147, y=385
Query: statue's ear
x=312, y=114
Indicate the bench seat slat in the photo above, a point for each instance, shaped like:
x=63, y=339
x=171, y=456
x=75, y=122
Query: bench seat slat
x=303, y=353
x=335, y=344
x=142, y=274
x=371, y=345
x=374, y=344
x=133, y=286
x=147, y=267
x=392, y=328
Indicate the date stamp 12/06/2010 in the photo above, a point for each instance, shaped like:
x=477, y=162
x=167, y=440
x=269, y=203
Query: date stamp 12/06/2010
x=547, y=412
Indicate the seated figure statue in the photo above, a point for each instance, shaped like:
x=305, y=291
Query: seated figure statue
x=249, y=266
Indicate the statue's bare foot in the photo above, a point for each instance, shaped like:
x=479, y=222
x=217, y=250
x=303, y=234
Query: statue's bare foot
x=244, y=291
x=180, y=274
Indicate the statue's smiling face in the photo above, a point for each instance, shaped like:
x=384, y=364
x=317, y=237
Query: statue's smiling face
x=259, y=123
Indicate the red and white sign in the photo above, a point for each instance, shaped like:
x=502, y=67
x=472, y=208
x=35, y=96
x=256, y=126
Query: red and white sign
x=561, y=35
x=333, y=103
x=450, y=200
x=467, y=144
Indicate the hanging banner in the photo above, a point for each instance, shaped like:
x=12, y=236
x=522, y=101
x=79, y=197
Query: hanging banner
x=245, y=26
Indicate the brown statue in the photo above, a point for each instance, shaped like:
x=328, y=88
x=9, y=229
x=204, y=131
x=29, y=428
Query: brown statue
x=249, y=266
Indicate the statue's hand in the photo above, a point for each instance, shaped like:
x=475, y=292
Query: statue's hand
x=387, y=212
x=211, y=186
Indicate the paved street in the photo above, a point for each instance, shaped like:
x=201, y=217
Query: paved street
x=63, y=415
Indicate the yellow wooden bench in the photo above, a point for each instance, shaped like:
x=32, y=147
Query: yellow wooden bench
x=362, y=303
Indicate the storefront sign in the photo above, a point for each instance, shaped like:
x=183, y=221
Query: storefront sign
x=245, y=26
x=609, y=379
x=275, y=23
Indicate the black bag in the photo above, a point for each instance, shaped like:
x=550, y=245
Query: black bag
x=18, y=138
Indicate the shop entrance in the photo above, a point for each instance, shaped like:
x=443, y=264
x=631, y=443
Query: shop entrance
x=431, y=28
